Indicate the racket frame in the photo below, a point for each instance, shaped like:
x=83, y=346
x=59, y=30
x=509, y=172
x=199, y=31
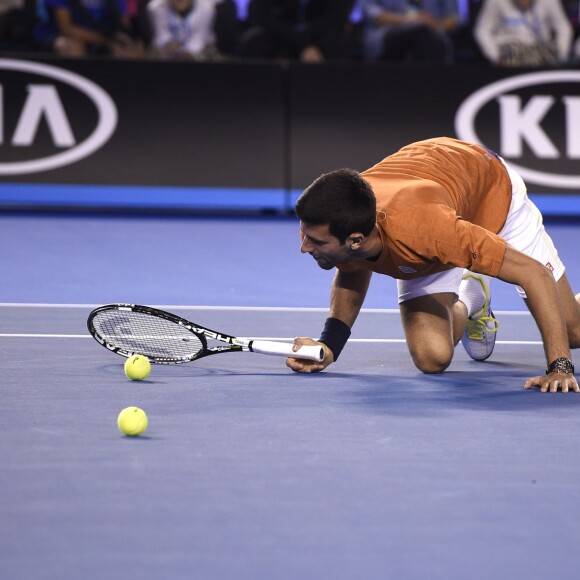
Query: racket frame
x=234, y=344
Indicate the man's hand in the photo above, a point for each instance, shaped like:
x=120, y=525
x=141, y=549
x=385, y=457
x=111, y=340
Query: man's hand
x=123, y=46
x=300, y=365
x=553, y=383
x=311, y=54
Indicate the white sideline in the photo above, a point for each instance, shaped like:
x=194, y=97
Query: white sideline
x=274, y=338
x=233, y=308
x=242, y=309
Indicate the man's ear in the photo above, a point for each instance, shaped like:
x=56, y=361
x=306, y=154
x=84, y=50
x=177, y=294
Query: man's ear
x=355, y=240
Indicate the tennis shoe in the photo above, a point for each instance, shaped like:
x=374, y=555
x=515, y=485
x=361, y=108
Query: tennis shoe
x=480, y=330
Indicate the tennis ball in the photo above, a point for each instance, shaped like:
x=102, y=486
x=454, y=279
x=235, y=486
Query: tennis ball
x=137, y=367
x=132, y=421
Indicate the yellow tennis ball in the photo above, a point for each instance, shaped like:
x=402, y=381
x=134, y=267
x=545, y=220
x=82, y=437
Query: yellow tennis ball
x=137, y=367
x=132, y=421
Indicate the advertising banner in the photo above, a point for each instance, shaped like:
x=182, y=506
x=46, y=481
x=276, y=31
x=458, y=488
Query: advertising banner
x=110, y=122
x=252, y=135
x=353, y=117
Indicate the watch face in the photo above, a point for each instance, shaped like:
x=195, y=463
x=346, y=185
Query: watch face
x=561, y=365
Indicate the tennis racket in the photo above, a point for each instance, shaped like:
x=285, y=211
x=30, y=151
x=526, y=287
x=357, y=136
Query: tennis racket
x=167, y=339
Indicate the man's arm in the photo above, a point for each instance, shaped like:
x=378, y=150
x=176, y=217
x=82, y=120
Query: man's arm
x=68, y=28
x=544, y=304
x=348, y=293
x=349, y=290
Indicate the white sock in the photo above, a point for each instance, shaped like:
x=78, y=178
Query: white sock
x=471, y=293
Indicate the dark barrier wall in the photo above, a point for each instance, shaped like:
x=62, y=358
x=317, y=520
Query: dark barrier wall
x=102, y=132
x=354, y=116
x=178, y=124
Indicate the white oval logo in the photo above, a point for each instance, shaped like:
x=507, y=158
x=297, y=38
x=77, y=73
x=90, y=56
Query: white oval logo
x=470, y=108
x=106, y=115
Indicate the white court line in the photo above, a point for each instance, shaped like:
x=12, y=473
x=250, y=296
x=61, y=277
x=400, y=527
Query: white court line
x=171, y=306
x=275, y=338
x=13, y=335
x=242, y=309
x=235, y=308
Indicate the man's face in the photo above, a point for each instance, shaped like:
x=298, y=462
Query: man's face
x=323, y=246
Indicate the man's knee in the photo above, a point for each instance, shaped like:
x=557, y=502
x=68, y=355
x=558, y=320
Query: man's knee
x=432, y=359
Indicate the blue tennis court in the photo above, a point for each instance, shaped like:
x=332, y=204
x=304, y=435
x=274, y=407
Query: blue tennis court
x=369, y=470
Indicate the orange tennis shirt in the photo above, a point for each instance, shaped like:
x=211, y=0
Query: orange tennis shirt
x=440, y=204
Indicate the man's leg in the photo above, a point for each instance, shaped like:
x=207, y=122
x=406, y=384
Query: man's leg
x=433, y=325
x=433, y=319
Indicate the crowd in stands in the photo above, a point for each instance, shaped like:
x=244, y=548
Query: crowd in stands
x=501, y=32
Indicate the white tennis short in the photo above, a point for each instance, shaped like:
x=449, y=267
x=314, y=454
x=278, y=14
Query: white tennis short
x=523, y=230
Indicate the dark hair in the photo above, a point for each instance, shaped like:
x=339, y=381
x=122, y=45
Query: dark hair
x=343, y=200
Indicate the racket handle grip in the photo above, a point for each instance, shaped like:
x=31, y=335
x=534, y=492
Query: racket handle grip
x=307, y=352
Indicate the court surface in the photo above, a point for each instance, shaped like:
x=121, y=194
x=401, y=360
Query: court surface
x=369, y=470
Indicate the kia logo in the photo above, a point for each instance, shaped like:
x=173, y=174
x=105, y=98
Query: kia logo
x=35, y=122
x=537, y=116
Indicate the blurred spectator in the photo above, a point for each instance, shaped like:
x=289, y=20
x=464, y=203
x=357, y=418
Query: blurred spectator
x=6, y=9
x=416, y=30
x=523, y=32
x=572, y=8
x=17, y=22
x=87, y=27
x=227, y=28
x=306, y=30
x=139, y=23
x=188, y=29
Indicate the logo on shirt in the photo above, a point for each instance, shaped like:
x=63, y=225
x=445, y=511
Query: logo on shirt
x=407, y=270
x=49, y=117
x=533, y=121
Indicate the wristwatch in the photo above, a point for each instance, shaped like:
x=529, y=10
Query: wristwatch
x=561, y=365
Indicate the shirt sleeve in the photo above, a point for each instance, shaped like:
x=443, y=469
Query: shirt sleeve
x=123, y=8
x=484, y=32
x=562, y=29
x=159, y=18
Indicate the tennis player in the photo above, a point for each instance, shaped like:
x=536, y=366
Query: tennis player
x=443, y=217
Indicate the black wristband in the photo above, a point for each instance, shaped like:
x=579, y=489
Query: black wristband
x=335, y=335
x=560, y=365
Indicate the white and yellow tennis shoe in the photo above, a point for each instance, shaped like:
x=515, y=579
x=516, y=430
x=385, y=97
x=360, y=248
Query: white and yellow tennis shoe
x=480, y=330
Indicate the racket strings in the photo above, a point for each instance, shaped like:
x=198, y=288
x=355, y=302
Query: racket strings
x=148, y=335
